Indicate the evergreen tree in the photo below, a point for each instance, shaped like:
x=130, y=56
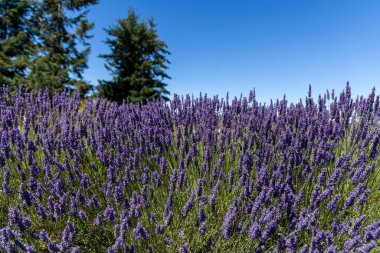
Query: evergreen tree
x=17, y=45
x=137, y=62
x=63, y=45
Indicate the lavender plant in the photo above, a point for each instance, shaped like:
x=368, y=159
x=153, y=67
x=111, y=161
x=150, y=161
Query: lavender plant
x=191, y=175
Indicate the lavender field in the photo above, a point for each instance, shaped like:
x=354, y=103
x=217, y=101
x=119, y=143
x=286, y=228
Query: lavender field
x=191, y=175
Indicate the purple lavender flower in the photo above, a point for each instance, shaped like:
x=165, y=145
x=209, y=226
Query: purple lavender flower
x=24, y=195
x=43, y=236
x=156, y=179
x=173, y=180
x=145, y=176
x=351, y=244
x=201, y=216
x=202, y=228
x=139, y=232
x=366, y=248
x=331, y=249
x=163, y=165
x=169, y=204
x=169, y=218
x=231, y=179
x=214, y=195
x=282, y=159
x=229, y=220
x=40, y=191
x=333, y=204
x=119, y=194
x=152, y=218
x=6, y=188
x=183, y=248
x=199, y=188
x=82, y=215
x=364, y=197
x=67, y=237
x=160, y=228
x=75, y=250
x=168, y=240
x=352, y=197
x=135, y=207
x=94, y=202
x=73, y=206
x=254, y=230
x=53, y=247
x=98, y=220
x=110, y=213
x=187, y=206
x=41, y=211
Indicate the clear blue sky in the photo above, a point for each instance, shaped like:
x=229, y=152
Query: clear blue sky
x=275, y=46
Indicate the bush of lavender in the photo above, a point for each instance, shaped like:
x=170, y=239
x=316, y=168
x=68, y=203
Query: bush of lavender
x=192, y=175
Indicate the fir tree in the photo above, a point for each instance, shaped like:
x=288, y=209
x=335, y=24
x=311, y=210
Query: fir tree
x=137, y=62
x=63, y=45
x=17, y=45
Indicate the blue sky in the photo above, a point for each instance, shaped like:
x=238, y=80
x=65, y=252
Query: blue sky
x=275, y=46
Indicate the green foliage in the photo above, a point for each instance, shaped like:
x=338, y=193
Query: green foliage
x=16, y=41
x=60, y=63
x=44, y=44
x=137, y=62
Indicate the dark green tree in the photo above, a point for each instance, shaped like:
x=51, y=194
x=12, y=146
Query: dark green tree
x=63, y=45
x=137, y=62
x=17, y=45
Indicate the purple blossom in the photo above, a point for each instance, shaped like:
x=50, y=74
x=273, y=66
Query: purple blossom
x=333, y=204
x=169, y=204
x=229, y=220
x=201, y=216
x=139, y=232
x=187, y=206
x=110, y=213
x=283, y=177
x=43, y=236
x=202, y=228
x=184, y=248
x=98, y=221
x=366, y=248
x=156, y=178
x=82, y=215
x=168, y=240
x=24, y=195
x=254, y=231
